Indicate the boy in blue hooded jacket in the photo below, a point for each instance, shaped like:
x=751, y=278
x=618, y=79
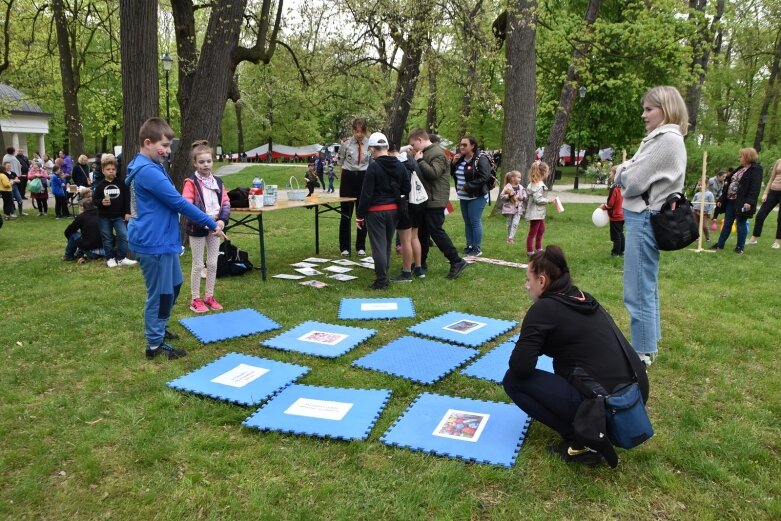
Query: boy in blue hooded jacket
x=153, y=232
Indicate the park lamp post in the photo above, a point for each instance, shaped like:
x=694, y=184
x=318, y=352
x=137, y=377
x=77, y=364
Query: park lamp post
x=167, y=63
x=581, y=94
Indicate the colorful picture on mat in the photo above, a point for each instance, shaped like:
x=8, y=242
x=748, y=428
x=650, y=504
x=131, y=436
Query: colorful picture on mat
x=323, y=337
x=314, y=283
x=461, y=425
x=464, y=326
x=240, y=375
x=323, y=409
x=379, y=306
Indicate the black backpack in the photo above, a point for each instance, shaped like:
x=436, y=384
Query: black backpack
x=239, y=197
x=232, y=261
x=674, y=226
x=491, y=183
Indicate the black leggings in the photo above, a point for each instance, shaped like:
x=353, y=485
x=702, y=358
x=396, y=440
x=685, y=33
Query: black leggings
x=773, y=198
x=351, y=186
x=8, y=202
x=546, y=397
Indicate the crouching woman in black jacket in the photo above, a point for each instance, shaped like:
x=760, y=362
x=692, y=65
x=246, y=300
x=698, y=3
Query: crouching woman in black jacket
x=569, y=326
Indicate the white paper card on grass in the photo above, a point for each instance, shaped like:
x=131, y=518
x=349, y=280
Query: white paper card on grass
x=337, y=269
x=379, y=306
x=304, y=265
x=288, y=276
x=342, y=277
x=316, y=259
x=240, y=375
x=323, y=409
x=308, y=271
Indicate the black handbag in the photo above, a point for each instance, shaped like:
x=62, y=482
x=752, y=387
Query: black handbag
x=674, y=226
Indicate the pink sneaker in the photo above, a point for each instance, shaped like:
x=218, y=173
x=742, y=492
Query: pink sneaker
x=213, y=304
x=198, y=306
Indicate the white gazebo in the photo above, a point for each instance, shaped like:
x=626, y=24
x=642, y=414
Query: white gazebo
x=23, y=118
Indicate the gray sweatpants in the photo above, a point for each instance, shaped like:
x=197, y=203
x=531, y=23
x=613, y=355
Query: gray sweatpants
x=381, y=227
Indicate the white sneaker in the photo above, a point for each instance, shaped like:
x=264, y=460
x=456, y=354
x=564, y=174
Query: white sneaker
x=362, y=253
x=345, y=253
x=776, y=246
x=751, y=241
x=647, y=358
x=127, y=262
x=112, y=263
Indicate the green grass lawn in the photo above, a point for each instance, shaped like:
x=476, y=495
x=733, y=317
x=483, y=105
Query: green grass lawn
x=89, y=429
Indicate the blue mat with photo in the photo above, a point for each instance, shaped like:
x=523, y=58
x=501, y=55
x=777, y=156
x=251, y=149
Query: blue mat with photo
x=464, y=428
x=239, y=378
x=347, y=414
x=214, y=327
x=320, y=339
x=463, y=328
x=423, y=361
x=375, y=308
x=493, y=365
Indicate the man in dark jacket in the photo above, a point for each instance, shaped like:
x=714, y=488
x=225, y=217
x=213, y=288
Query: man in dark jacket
x=83, y=235
x=25, y=164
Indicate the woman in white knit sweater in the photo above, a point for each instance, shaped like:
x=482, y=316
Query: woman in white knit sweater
x=656, y=170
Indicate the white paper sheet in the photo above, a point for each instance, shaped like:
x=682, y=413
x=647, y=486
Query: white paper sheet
x=323, y=409
x=379, y=306
x=240, y=375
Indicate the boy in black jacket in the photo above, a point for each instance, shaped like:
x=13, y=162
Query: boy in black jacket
x=83, y=234
x=112, y=197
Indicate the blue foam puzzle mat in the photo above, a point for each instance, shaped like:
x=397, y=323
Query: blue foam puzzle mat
x=320, y=339
x=472, y=430
x=375, y=308
x=463, y=328
x=493, y=365
x=229, y=324
x=423, y=361
x=347, y=414
x=239, y=378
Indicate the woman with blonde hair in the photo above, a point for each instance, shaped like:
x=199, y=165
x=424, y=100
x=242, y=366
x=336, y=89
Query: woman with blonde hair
x=655, y=171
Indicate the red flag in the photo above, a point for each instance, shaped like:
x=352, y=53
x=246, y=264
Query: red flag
x=448, y=208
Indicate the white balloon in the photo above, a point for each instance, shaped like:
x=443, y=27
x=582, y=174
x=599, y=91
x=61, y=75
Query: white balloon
x=600, y=218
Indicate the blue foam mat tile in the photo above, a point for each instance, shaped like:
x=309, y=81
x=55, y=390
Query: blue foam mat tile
x=423, y=361
x=326, y=412
x=229, y=324
x=463, y=328
x=463, y=428
x=320, y=339
x=375, y=308
x=494, y=364
x=239, y=378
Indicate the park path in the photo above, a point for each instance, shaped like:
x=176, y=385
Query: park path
x=566, y=193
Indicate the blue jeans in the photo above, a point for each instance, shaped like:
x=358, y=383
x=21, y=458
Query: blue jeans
x=72, y=249
x=163, y=280
x=107, y=226
x=730, y=216
x=472, y=212
x=641, y=281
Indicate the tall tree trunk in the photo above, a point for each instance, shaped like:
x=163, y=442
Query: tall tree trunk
x=140, y=90
x=771, y=92
x=431, y=107
x=520, y=93
x=407, y=80
x=206, y=77
x=70, y=81
x=239, y=125
x=568, y=91
x=702, y=48
x=471, y=85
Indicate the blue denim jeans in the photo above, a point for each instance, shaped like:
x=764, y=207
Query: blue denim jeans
x=472, y=212
x=109, y=225
x=732, y=214
x=72, y=249
x=641, y=281
x=163, y=280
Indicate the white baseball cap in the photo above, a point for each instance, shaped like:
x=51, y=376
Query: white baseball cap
x=378, y=139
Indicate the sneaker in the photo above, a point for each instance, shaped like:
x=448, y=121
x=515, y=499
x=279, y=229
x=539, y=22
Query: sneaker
x=165, y=349
x=198, y=306
x=419, y=272
x=468, y=250
x=739, y=251
x=127, y=262
x=647, y=358
x=169, y=335
x=717, y=247
x=476, y=252
x=213, y=304
x=345, y=253
x=112, y=263
x=529, y=253
x=752, y=241
x=776, y=246
x=510, y=241
x=82, y=260
x=584, y=456
x=378, y=285
x=456, y=269
x=362, y=253
x=405, y=276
